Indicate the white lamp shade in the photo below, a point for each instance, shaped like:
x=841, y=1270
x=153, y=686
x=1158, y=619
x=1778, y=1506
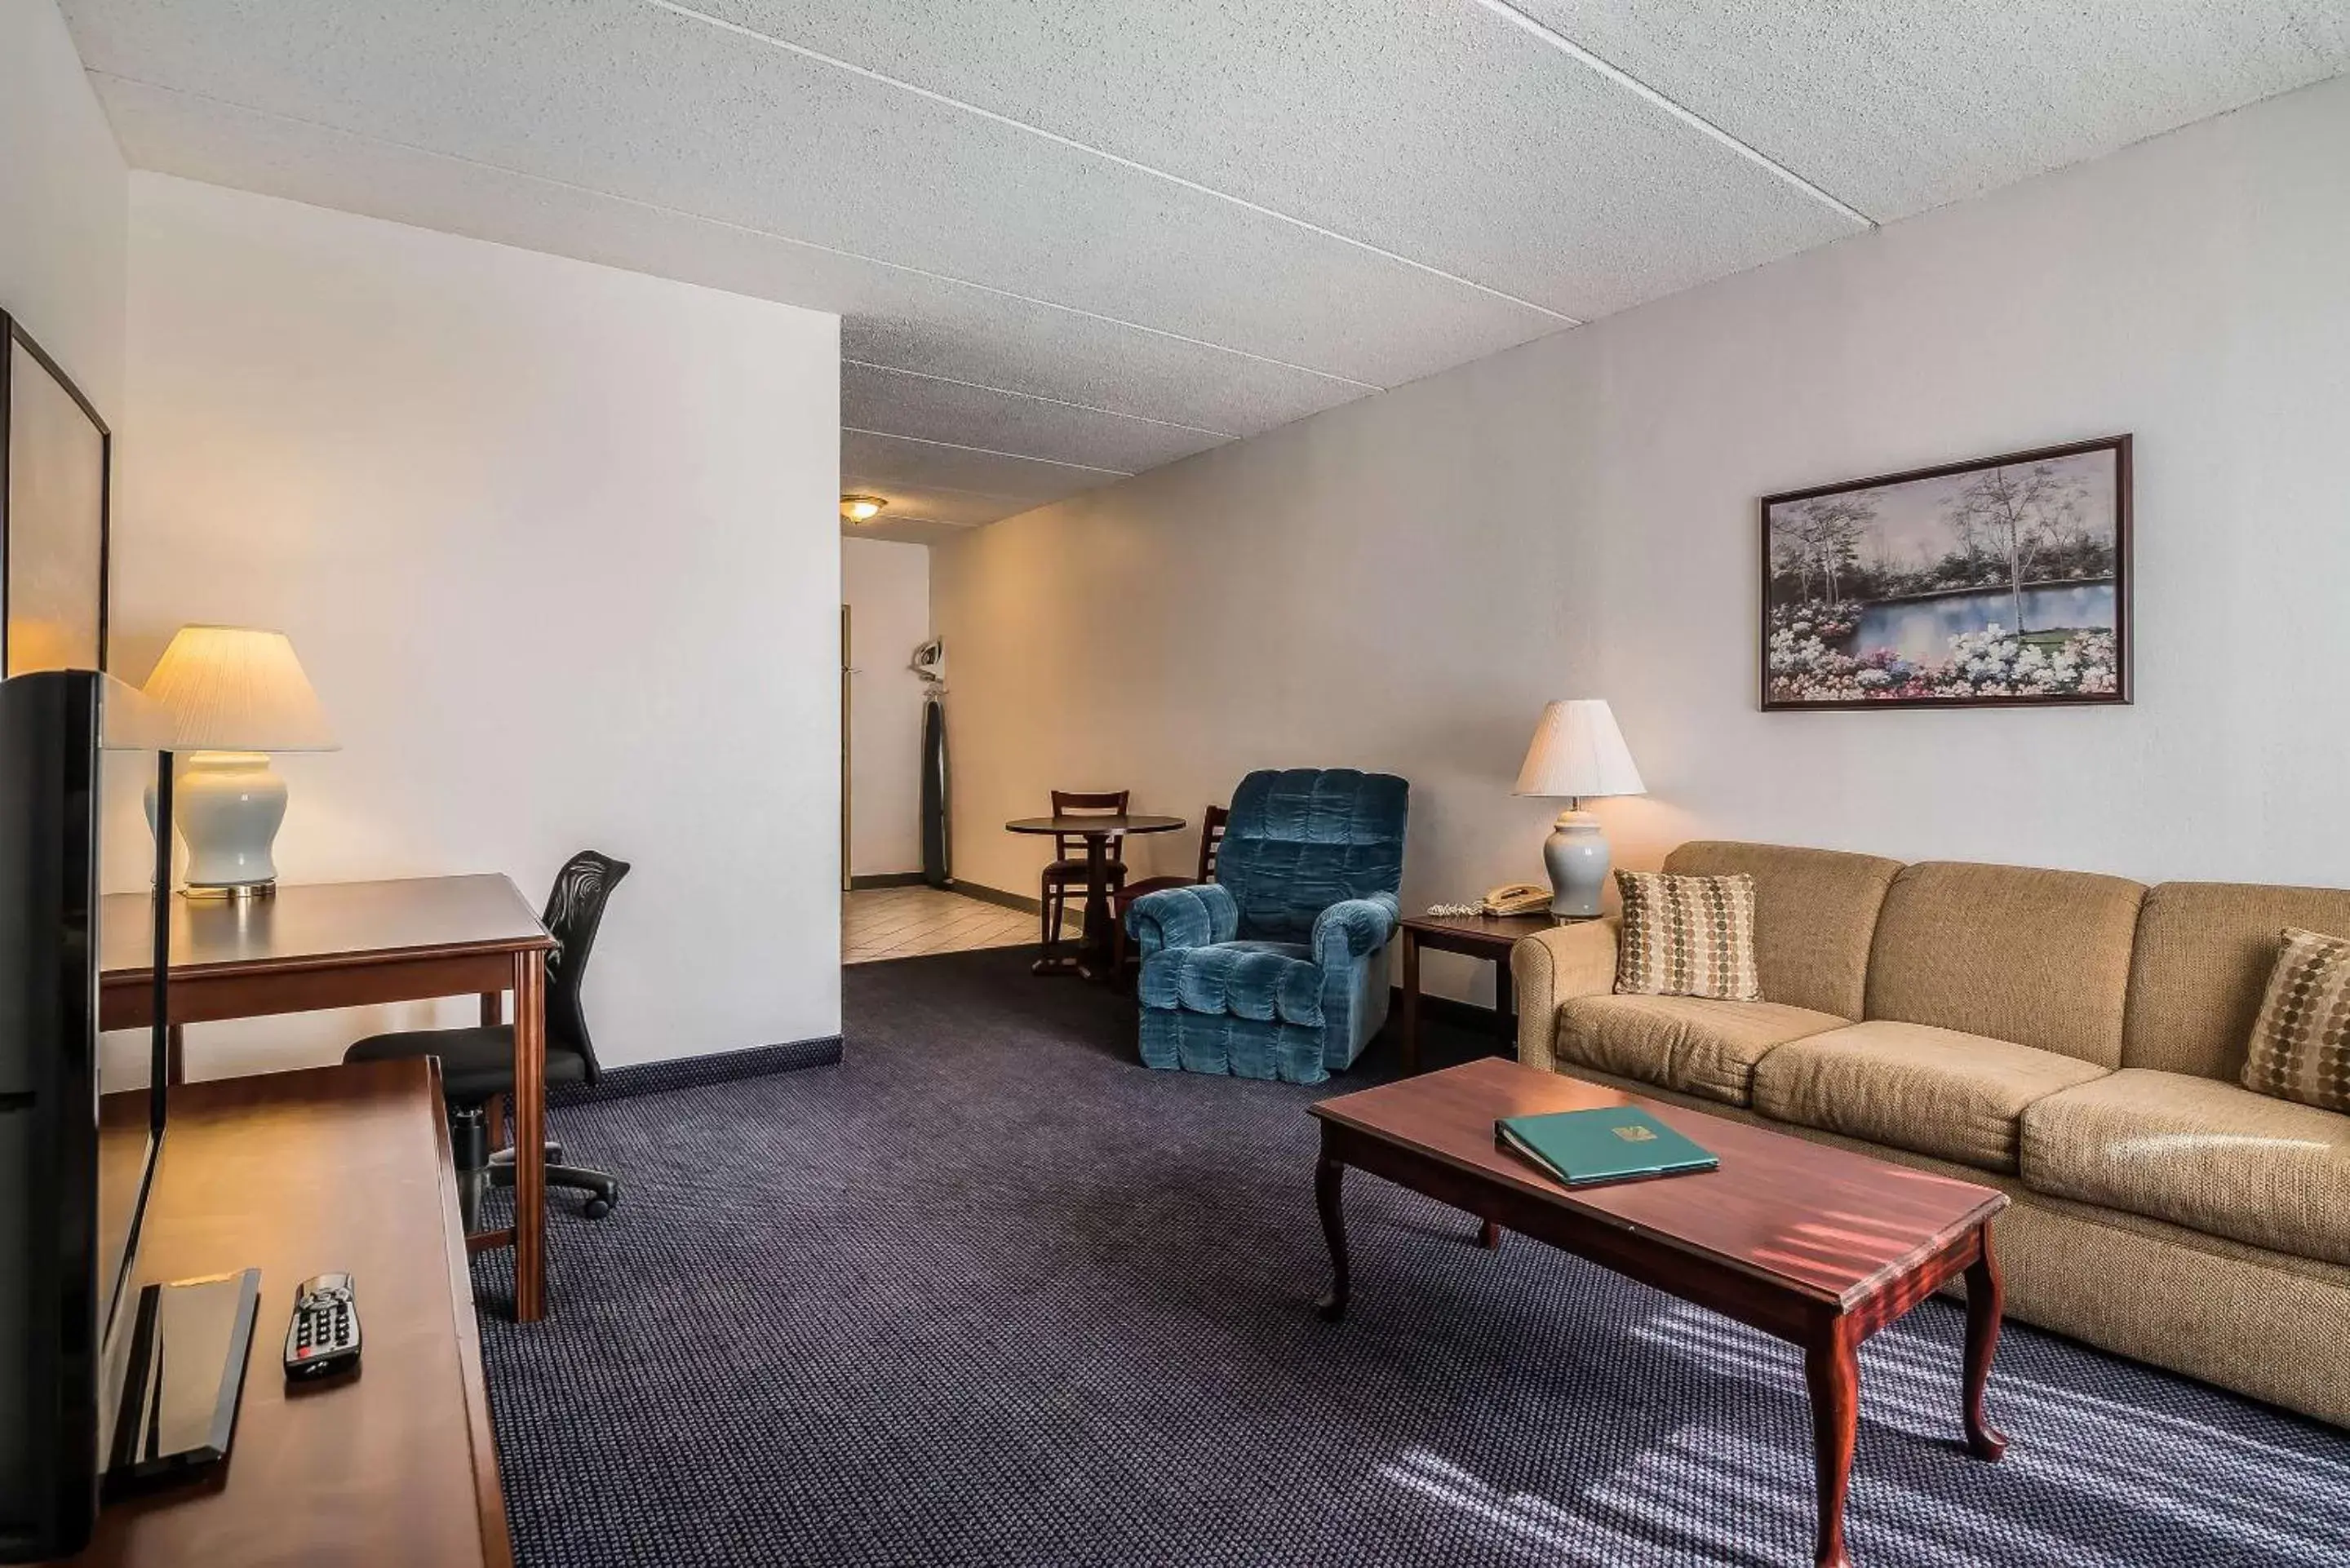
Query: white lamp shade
x=1578, y=751
x=236, y=689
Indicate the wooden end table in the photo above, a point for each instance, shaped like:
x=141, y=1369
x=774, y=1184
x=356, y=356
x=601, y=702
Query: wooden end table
x=1487, y=936
x=1818, y=1246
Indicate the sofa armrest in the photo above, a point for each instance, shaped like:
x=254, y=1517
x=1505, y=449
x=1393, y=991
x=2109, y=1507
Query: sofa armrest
x=1552, y=966
x=1353, y=928
x=1195, y=916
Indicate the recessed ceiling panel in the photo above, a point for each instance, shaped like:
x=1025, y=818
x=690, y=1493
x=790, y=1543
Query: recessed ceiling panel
x=1897, y=105
x=916, y=405
x=1432, y=128
x=891, y=316
x=622, y=97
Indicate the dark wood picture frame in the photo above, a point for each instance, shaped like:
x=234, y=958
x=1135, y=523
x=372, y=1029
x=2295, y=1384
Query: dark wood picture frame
x=2121, y=693
x=14, y=339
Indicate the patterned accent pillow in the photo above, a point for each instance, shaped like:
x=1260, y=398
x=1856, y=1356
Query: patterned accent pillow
x=1687, y=936
x=2301, y=1045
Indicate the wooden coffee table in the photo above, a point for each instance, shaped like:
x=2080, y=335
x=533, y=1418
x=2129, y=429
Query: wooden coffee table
x=1815, y=1245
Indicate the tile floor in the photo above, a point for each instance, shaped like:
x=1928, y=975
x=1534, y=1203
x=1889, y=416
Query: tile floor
x=901, y=923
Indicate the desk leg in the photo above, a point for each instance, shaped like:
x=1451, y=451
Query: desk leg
x=175, y=1054
x=1411, y=1002
x=493, y=1119
x=530, y=1136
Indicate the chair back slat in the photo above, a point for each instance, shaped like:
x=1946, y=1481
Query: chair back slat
x=1087, y=803
x=1211, y=839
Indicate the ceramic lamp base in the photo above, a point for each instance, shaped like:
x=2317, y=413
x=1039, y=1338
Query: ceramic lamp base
x=1576, y=855
x=228, y=805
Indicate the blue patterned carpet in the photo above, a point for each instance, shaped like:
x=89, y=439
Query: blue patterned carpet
x=989, y=1294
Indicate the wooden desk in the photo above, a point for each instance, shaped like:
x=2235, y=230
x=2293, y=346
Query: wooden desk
x=358, y=944
x=330, y=1170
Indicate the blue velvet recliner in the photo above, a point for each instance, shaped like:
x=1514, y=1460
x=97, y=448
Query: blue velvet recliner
x=1278, y=968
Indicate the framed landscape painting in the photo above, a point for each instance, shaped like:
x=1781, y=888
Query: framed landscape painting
x=1999, y=583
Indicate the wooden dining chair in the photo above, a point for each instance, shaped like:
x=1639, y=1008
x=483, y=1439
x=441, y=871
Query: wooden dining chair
x=1211, y=839
x=1067, y=870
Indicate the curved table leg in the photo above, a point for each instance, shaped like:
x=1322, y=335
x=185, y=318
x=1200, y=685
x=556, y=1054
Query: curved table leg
x=1832, y=1368
x=1984, y=1294
x=1328, y=1174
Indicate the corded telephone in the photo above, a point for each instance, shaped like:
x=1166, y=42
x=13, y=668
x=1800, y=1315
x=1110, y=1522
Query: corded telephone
x=1517, y=899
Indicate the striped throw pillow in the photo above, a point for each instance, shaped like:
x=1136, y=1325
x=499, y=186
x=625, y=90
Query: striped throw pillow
x=2301, y=1045
x=1687, y=936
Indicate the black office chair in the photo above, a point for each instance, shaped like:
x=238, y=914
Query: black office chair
x=477, y=1064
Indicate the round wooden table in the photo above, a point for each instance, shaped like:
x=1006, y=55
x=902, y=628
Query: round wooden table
x=1092, y=952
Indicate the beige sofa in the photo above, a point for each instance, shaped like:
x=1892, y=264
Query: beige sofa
x=2073, y=1040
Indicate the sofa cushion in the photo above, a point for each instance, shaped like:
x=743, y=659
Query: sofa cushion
x=2038, y=957
x=1927, y=1090
x=2202, y=965
x=2209, y=1156
x=1686, y=936
x=1263, y=980
x=1815, y=914
x=1695, y=1044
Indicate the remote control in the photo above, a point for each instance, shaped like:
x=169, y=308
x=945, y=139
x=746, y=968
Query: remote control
x=324, y=1337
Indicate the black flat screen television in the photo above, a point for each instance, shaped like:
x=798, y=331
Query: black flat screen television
x=81, y=1127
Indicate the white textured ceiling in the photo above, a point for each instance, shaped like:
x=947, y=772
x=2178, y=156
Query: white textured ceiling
x=1071, y=239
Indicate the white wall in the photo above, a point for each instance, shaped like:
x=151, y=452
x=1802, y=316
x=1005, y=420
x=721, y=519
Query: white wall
x=887, y=586
x=1402, y=582
x=63, y=204
x=557, y=546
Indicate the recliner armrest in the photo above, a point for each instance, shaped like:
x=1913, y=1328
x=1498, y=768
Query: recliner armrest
x=1550, y=967
x=1353, y=928
x=1195, y=917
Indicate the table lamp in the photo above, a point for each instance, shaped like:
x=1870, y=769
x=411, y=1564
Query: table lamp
x=234, y=694
x=1577, y=753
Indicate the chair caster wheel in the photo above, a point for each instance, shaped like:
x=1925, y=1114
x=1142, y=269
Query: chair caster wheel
x=597, y=1208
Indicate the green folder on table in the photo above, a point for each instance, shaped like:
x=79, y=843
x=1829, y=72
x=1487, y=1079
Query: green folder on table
x=1588, y=1149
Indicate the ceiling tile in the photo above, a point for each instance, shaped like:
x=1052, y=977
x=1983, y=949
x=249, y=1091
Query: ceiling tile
x=964, y=508
x=1430, y=128
x=916, y=405
x=1896, y=106
x=1026, y=482
x=905, y=530
x=619, y=95
x=1027, y=348
x=892, y=317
